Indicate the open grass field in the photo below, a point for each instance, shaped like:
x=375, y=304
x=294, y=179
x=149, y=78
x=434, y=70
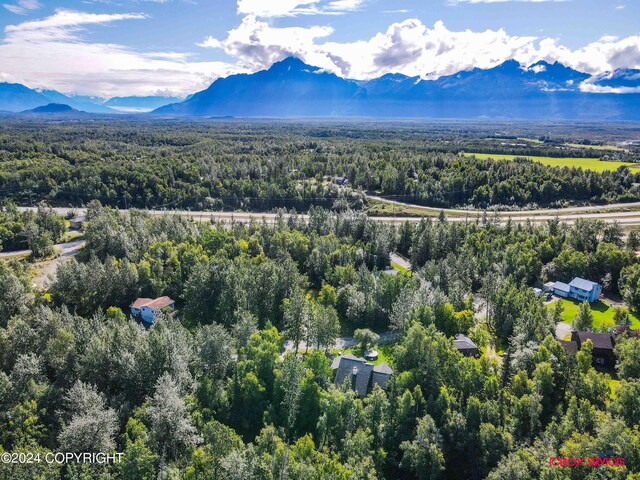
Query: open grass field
x=595, y=147
x=602, y=314
x=586, y=163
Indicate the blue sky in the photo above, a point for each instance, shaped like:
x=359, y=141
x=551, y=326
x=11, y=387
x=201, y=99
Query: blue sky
x=122, y=47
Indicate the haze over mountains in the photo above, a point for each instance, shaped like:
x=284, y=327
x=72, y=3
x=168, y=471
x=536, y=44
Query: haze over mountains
x=291, y=88
x=541, y=91
x=15, y=97
x=139, y=104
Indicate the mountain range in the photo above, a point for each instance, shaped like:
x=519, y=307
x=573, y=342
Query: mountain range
x=291, y=88
x=509, y=90
x=15, y=97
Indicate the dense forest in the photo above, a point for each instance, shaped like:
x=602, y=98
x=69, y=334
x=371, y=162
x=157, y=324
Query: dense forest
x=237, y=165
x=221, y=390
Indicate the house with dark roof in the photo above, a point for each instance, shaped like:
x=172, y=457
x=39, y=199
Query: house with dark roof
x=578, y=289
x=603, y=347
x=361, y=375
x=464, y=345
x=569, y=346
x=146, y=309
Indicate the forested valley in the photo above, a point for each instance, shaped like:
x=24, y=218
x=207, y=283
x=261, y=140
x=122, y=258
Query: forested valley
x=219, y=388
x=260, y=166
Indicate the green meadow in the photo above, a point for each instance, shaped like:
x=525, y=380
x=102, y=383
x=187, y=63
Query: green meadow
x=586, y=163
x=602, y=314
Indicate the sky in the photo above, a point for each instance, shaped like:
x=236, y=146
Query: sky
x=109, y=48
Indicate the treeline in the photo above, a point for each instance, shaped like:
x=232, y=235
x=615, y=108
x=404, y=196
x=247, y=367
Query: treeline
x=255, y=166
x=215, y=394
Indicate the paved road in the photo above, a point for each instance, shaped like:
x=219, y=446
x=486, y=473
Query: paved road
x=47, y=269
x=550, y=211
x=63, y=249
x=629, y=218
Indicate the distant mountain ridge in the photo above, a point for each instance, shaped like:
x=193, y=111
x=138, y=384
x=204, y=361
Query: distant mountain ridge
x=15, y=97
x=53, y=108
x=293, y=88
x=79, y=102
x=133, y=104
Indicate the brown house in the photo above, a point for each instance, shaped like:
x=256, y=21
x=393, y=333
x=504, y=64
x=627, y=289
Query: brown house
x=569, y=346
x=603, y=347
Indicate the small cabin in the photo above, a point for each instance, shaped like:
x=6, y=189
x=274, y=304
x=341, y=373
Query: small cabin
x=465, y=345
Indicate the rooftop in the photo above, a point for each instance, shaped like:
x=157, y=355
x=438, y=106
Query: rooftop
x=600, y=340
x=366, y=374
x=582, y=284
x=462, y=342
x=569, y=346
x=153, y=303
x=563, y=287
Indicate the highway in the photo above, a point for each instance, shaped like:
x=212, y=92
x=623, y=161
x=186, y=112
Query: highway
x=548, y=211
x=628, y=217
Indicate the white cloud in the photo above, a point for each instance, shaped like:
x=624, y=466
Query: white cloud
x=591, y=88
x=210, y=42
x=52, y=53
x=414, y=49
x=258, y=45
x=408, y=47
x=289, y=8
x=21, y=7
x=597, y=57
x=345, y=5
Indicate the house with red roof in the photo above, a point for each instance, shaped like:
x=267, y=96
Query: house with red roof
x=147, y=309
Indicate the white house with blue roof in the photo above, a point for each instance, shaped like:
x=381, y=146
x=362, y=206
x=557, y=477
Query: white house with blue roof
x=578, y=289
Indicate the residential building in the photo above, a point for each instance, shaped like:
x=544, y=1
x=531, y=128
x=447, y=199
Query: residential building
x=603, y=347
x=464, y=345
x=146, y=309
x=569, y=346
x=361, y=375
x=578, y=289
